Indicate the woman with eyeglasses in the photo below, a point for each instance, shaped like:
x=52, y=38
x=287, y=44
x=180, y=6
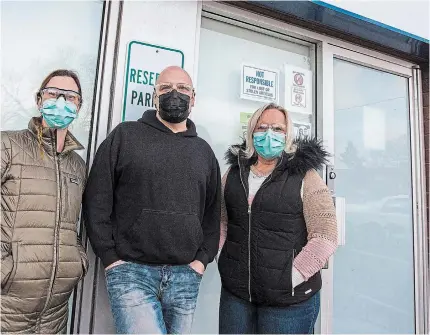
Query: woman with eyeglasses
x=42, y=180
x=278, y=229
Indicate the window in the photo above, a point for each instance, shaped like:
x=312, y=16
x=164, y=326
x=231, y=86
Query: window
x=38, y=38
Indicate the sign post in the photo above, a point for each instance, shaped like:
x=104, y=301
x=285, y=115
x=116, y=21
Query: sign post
x=143, y=66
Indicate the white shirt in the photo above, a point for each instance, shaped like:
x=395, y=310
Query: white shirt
x=254, y=183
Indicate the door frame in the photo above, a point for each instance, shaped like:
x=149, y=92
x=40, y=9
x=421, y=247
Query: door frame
x=85, y=294
x=325, y=122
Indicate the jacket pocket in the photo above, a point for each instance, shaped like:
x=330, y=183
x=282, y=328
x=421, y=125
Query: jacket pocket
x=229, y=264
x=14, y=255
x=84, y=260
x=163, y=237
x=72, y=197
x=70, y=269
x=286, y=278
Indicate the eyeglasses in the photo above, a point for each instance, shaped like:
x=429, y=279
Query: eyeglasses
x=277, y=128
x=55, y=93
x=163, y=88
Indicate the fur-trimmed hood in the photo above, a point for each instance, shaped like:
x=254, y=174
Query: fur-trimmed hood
x=310, y=154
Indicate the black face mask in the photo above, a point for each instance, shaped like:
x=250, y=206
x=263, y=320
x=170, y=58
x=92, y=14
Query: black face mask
x=174, y=106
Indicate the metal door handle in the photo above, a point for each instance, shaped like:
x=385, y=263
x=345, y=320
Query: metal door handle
x=340, y=205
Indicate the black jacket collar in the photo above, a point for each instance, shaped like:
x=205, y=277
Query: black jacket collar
x=310, y=154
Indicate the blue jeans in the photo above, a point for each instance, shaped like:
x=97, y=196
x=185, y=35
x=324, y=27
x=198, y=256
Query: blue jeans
x=238, y=316
x=152, y=299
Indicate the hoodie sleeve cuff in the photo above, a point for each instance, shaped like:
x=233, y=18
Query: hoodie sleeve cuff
x=109, y=257
x=202, y=257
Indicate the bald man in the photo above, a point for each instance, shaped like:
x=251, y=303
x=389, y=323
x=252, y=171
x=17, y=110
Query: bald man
x=152, y=211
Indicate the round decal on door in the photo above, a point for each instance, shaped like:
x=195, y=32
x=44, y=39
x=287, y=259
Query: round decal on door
x=298, y=79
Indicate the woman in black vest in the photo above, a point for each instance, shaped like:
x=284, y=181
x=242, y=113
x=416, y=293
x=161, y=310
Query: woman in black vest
x=278, y=229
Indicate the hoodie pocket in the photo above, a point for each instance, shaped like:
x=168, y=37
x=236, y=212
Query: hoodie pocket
x=164, y=237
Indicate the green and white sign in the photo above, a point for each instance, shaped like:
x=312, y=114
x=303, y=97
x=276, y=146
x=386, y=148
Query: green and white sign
x=144, y=64
x=244, y=118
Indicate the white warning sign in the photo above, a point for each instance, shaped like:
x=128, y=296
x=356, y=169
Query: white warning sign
x=259, y=84
x=298, y=90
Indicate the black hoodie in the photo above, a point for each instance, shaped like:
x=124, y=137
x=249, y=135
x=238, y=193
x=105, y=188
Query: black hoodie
x=153, y=196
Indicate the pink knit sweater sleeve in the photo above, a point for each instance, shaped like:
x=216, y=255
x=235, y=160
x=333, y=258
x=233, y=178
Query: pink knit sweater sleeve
x=320, y=218
x=224, y=218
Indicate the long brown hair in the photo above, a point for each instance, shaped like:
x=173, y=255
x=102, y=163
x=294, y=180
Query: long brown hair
x=60, y=73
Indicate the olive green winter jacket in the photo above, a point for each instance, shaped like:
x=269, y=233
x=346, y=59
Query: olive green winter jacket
x=42, y=259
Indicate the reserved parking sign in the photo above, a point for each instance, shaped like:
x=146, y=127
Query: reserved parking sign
x=144, y=64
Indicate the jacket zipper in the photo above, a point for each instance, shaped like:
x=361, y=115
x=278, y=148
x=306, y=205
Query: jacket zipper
x=249, y=224
x=249, y=253
x=249, y=232
x=292, y=285
x=57, y=226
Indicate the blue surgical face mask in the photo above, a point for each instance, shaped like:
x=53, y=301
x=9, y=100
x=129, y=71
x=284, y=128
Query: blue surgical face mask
x=58, y=113
x=269, y=144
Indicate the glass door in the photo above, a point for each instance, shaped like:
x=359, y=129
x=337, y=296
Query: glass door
x=221, y=113
x=372, y=275
x=374, y=271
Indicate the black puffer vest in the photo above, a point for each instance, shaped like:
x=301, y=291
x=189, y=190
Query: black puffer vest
x=262, y=240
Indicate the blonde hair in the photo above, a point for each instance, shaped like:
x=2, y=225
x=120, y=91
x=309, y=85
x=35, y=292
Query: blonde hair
x=290, y=147
x=39, y=130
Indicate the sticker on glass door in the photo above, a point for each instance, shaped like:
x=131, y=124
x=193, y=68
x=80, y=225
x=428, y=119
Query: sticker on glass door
x=298, y=89
x=259, y=84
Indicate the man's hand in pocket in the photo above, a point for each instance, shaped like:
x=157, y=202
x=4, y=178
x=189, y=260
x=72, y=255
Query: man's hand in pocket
x=114, y=264
x=198, y=267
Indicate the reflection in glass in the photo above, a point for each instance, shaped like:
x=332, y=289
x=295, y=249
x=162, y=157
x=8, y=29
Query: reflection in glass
x=38, y=38
x=373, y=272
